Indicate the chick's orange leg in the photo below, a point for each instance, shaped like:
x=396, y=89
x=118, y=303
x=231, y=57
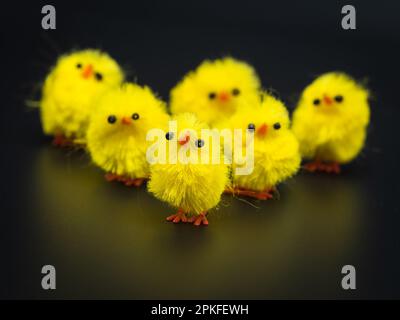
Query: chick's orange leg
x=313, y=166
x=332, y=167
x=199, y=219
x=127, y=181
x=317, y=165
x=60, y=140
x=134, y=182
x=111, y=177
x=265, y=195
x=228, y=191
x=260, y=195
x=180, y=216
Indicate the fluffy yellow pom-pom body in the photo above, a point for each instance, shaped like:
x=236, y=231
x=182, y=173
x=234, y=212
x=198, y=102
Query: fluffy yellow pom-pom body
x=273, y=164
x=215, y=90
x=331, y=118
x=71, y=86
x=193, y=187
x=276, y=150
x=116, y=137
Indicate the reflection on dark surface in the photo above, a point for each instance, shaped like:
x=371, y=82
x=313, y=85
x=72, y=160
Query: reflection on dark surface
x=107, y=240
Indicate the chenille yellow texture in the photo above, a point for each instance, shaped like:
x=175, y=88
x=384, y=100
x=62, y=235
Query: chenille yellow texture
x=276, y=150
x=331, y=118
x=192, y=187
x=116, y=137
x=215, y=90
x=71, y=86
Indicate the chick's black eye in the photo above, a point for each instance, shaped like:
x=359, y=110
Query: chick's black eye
x=79, y=65
x=251, y=126
x=199, y=143
x=111, y=119
x=169, y=135
x=277, y=126
x=339, y=98
x=98, y=76
x=135, y=116
x=316, y=102
x=235, y=92
x=212, y=95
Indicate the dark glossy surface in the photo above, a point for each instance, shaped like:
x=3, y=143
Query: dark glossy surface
x=109, y=241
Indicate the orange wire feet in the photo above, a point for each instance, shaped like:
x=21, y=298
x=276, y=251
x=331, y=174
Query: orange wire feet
x=319, y=166
x=259, y=195
x=62, y=141
x=180, y=216
x=199, y=219
x=127, y=181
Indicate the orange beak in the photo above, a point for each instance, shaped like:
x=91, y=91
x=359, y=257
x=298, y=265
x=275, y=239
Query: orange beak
x=185, y=140
x=262, y=131
x=224, y=96
x=87, y=71
x=126, y=120
x=328, y=100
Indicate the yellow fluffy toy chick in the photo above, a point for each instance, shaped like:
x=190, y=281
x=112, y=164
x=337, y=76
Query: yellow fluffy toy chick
x=330, y=121
x=69, y=90
x=276, y=150
x=215, y=89
x=193, y=188
x=116, y=137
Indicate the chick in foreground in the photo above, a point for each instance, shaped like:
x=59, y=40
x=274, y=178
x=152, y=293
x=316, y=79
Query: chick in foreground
x=116, y=137
x=276, y=150
x=331, y=121
x=69, y=90
x=215, y=90
x=192, y=188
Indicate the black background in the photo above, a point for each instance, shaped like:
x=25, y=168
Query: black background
x=108, y=241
